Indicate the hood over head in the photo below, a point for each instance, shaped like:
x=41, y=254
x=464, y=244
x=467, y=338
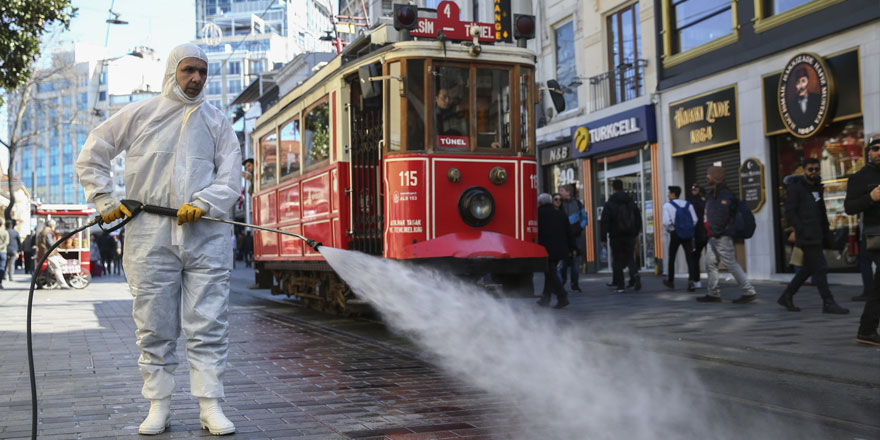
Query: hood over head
x=170, y=88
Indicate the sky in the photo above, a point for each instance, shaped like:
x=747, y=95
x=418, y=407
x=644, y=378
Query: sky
x=160, y=24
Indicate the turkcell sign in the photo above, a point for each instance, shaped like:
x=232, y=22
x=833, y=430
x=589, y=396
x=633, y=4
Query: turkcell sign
x=632, y=127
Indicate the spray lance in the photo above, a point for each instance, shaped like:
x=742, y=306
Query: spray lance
x=135, y=208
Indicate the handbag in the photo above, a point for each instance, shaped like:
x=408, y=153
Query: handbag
x=872, y=237
x=797, y=257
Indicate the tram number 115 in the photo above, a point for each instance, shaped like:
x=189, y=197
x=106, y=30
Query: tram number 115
x=409, y=178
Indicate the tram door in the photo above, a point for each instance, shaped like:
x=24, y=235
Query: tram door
x=365, y=114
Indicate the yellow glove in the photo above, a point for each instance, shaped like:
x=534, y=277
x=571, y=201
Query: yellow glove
x=120, y=212
x=189, y=213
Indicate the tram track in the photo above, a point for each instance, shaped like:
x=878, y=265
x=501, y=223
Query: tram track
x=356, y=334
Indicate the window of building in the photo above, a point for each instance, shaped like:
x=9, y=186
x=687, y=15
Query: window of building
x=215, y=87
x=493, y=108
x=215, y=103
x=624, y=76
x=82, y=101
x=317, y=134
x=291, y=140
x=103, y=78
x=697, y=22
x=256, y=66
x=773, y=7
x=102, y=96
x=268, y=158
x=46, y=86
x=566, y=65
x=213, y=69
x=234, y=86
x=233, y=68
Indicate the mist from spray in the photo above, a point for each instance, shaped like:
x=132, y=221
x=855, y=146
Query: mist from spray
x=572, y=381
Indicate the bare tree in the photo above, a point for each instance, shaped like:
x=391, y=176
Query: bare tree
x=29, y=106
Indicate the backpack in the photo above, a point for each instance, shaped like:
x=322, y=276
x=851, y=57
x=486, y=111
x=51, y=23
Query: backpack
x=743, y=221
x=625, y=219
x=684, y=223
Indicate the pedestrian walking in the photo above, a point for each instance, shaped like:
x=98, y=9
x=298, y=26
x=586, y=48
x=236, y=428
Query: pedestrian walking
x=577, y=220
x=29, y=249
x=107, y=248
x=555, y=235
x=866, y=265
x=680, y=221
x=720, y=214
x=621, y=222
x=95, y=257
x=697, y=197
x=863, y=197
x=248, y=248
x=181, y=152
x=13, y=249
x=4, y=244
x=55, y=260
x=805, y=211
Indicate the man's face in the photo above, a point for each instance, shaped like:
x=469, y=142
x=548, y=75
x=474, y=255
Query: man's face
x=249, y=166
x=874, y=154
x=671, y=195
x=811, y=172
x=565, y=193
x=191, y=76
x=443, y=99
x=557, y=201
x=695, y=191
x=801, y=86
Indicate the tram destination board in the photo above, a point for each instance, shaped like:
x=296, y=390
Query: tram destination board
x=751, y=184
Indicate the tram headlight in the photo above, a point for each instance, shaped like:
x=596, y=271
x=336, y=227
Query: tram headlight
x=476, y=206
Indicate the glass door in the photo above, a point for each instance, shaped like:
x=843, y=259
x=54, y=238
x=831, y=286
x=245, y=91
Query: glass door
x=633, y=168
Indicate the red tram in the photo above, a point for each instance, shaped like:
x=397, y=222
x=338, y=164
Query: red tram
x=418, y=150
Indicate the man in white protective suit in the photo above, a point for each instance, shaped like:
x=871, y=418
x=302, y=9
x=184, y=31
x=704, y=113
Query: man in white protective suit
x=180, y=152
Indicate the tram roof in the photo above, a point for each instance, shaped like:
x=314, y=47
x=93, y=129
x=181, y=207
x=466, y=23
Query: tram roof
x=382, y=43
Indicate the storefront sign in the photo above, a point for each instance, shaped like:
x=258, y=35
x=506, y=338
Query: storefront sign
x=502, y=21
x=844, y=93
x=703, y=122
x=555, y=154
x=624, y=129
x=805, y=94
x=751, y=184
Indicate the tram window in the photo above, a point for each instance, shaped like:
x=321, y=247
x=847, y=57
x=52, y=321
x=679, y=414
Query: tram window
x=525, y=90
x=493, y=108
x=415, y=106
x=268, y=158
x=317, y=134
x=451, y=108
x=394, y=110
x=290, y=143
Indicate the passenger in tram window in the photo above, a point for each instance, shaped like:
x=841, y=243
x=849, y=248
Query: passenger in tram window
x=449, y=116
x=248, y=174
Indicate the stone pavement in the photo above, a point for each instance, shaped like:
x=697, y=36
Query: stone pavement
x=306, y=376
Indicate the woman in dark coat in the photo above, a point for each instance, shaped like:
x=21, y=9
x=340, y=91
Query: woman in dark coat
x=555, y=235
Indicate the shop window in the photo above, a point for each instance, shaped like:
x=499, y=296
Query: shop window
x=840, y=151
x=566, y=66
x=697, y=22
x=624, y=78
x=452, y=108
x=493, y=108
x=268, y=159
x=290, y=153
x=415, y=105
x=317, y=134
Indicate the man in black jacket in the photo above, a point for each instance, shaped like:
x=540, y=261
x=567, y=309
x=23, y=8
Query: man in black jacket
x=555, y=235
x=805, y=211
x=720, y=212
x=622, y=221
x=863, y=196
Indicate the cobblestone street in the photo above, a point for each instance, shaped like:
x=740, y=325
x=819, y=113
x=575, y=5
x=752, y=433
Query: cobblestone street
x=297, y=374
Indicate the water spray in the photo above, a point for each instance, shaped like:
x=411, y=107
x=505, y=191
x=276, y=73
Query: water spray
x=135, y=208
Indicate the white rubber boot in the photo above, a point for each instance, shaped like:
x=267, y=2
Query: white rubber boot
x=158, y=419
x=212, y=418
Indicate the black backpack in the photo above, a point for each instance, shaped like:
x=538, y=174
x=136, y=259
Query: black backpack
x=743, y=220
x=625, y=220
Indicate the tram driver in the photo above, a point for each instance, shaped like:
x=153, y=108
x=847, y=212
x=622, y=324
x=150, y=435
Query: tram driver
x=449, y=118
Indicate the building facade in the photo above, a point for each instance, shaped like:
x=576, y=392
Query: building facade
x=80, y=89
x=757, y=87
x=602, y=56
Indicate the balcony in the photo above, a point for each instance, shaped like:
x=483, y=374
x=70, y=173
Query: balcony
x=624, y=82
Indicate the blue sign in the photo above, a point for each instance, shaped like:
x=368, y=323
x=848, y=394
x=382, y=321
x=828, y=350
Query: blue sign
x=635, y=126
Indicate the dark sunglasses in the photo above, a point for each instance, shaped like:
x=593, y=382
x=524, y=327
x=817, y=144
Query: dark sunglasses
x=875, y=148
x=812, y=169
x=556, y=199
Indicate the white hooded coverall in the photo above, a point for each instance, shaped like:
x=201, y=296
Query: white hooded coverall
x=178, y=150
